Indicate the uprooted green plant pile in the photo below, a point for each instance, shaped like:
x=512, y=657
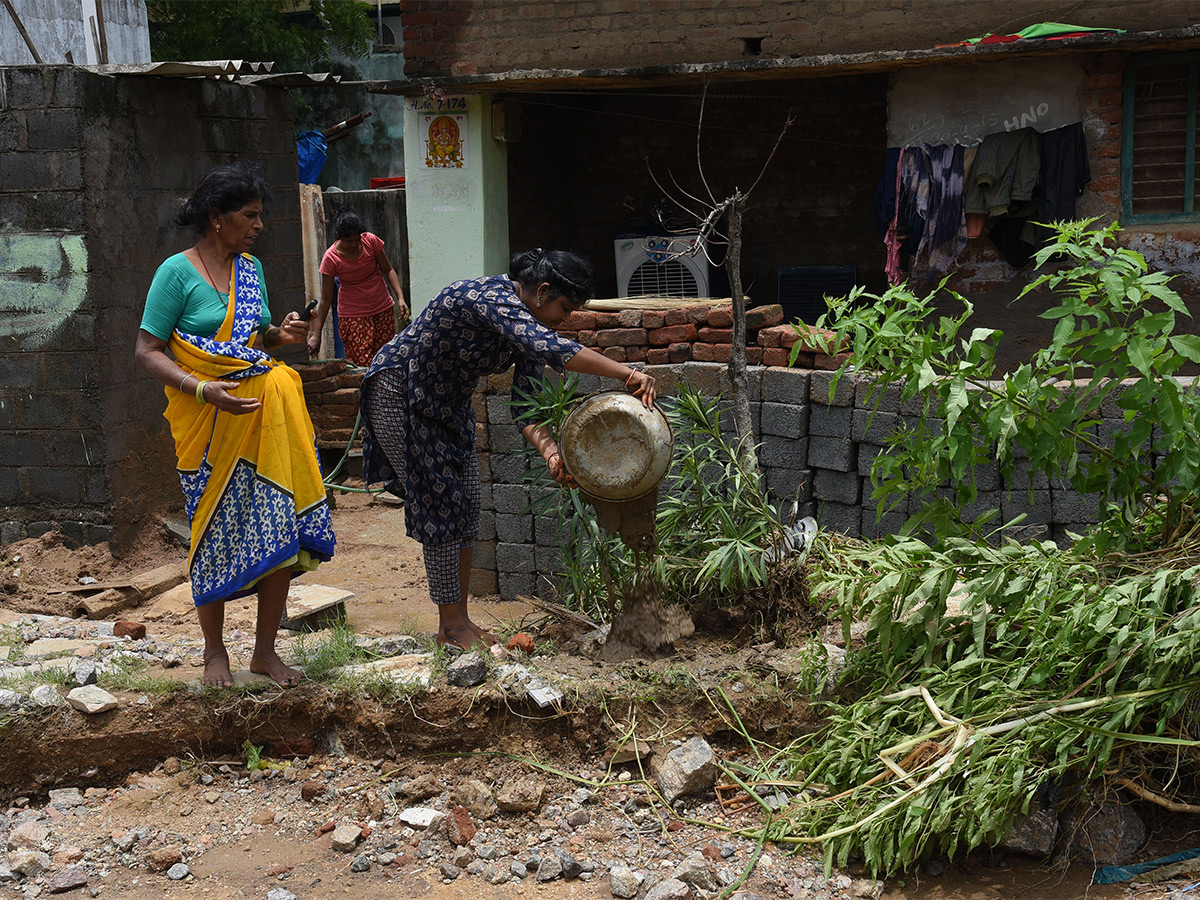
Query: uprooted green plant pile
x=718, y=534
x=991, y=668
x=987, y=673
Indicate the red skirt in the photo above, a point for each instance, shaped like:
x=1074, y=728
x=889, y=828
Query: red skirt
x=362, y=336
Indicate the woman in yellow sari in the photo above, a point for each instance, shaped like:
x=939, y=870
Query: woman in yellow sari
x=243, y=438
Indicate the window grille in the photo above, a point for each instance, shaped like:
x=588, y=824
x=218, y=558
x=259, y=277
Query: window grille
x=1158, y=153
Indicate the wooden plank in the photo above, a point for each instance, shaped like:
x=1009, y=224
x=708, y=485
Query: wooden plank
x=143, y=587
x=312, y=239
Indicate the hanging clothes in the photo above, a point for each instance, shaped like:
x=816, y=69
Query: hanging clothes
x=1065, y=173
x=1005, y=173
x=945, y=233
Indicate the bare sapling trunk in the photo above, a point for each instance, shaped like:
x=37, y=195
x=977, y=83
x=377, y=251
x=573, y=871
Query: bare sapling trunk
x=737, y=357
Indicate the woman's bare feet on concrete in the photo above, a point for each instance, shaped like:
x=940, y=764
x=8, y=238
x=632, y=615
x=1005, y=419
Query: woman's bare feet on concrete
x=268, y=663
x=216, y=670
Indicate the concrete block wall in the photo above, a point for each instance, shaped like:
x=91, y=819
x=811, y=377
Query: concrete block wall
x=91, y=170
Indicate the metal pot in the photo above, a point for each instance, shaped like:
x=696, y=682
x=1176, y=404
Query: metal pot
x=615, y=447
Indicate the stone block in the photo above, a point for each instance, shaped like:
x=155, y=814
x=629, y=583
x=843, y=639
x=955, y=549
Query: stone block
x=839, y=517
x=26, y=87
x=690, y=768
x=467, y=671
x=785, y=419
x=514, y=529
x=877, y=427
x=830, y=421
x=483, y=555
x=548, y=559
x=487, y=526
x=788, y=453
x=505, y=438
x=499, y=410
x=710, y=379
x=483, y=583
x=833, y=453
x=508, y=468
x=549, y=529
x=514, y=584
x=786, y=485
x=27, y=172
x=54, y=129
x=485, y=495
x=821, y=383
x=1070, y=506
x=510, y=499
x=1023, y=477
x=874, y=526
x=840, y=487
x=866, y=457
x=872, y=394
x=1038, y=511
x=515, y=558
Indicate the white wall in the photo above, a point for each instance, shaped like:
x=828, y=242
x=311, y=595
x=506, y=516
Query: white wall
x=61, y=32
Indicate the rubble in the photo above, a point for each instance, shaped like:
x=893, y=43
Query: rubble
x=688, y=769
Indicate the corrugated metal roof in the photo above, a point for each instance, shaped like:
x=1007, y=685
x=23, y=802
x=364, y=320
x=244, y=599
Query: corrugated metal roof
x=758, y=69
x=246, y=71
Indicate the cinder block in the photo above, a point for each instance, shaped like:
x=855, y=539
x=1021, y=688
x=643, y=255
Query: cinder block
x=95, y=486
x=487, y=526
x=22, y=450
x=1039, y=510
x=839, y=517
x=874, y=527
x=54, y=129
x=483, y=556
x=26, y=87
x=505, y=438
x=789, y=386
x=548, y=559
x=508, y=468
x=515, y=584
x=785, y=419
x=821, y=383
x=1069, y=506
x=486, y=501
x=548, y=530
x=840, y=487
x=866, y=457
x=510, y=499
x=483, y=583
x=710, y=379
x=514, y=529
x=872, y=394
x=514, y=557
x=27, y=172
x=787, y=453
x=876, y=427
x=10, y=133
x=786, y=485
x=499, y=410
x=99, y=534
x=832, y=453
x=830, y=421
x=1022, y=476
x=55, y=486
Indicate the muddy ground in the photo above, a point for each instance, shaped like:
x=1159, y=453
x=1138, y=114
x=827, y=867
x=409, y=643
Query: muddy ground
x=162, y=781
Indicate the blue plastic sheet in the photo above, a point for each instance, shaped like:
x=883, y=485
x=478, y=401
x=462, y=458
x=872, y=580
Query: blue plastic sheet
x=311, y=151
x=1113, y=874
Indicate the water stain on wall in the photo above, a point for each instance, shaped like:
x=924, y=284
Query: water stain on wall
x=43, y=281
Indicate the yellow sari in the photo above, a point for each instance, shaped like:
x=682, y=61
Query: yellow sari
x=252, y=482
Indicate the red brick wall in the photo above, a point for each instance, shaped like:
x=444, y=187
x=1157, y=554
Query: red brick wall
x=445, y=37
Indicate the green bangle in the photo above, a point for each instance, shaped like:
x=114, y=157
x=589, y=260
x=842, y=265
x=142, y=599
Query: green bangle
x=200, y=393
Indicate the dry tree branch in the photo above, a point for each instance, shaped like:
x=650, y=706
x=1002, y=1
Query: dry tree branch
x=1146, y=794
x=699, y=127
x=779, y=140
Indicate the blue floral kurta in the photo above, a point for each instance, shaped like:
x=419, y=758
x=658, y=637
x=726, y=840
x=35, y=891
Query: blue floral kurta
x=471, y=328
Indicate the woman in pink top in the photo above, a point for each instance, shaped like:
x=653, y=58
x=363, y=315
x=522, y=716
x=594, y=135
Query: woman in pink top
x=366, y=320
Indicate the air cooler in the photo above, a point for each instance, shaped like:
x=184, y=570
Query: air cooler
x=645, y=267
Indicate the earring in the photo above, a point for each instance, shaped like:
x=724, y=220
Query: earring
x=538, y=302
x=218, y=228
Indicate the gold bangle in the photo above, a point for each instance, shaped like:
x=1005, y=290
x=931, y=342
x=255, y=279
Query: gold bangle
x=200, y=393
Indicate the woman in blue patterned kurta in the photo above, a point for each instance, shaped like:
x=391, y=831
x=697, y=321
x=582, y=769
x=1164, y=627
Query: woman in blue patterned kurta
x=418, y=423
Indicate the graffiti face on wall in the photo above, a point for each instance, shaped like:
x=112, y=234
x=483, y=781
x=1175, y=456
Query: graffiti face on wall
x=43, y=281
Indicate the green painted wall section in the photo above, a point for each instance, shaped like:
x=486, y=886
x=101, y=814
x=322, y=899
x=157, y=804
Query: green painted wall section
x=43, y=280
x=457, y=217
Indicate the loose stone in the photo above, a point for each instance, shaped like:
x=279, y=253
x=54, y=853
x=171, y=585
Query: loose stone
x=178, y=872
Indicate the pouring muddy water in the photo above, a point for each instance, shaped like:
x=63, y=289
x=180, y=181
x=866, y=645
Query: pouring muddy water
x=618, y=452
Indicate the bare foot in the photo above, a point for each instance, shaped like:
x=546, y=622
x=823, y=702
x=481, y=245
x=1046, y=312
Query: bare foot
x=464, y=635
x=216, y=671
x=272, y=666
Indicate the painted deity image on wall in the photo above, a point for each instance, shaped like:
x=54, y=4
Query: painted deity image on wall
x=445, y=139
